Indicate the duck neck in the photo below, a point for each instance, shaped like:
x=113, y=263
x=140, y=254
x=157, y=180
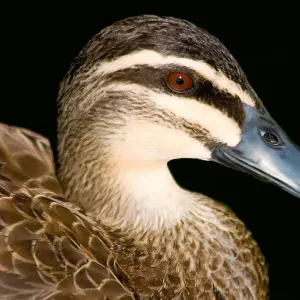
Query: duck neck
x=148, y=196
x=124, y=181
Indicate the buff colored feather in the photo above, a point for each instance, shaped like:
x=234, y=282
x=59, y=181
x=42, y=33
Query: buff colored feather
x=49, y=249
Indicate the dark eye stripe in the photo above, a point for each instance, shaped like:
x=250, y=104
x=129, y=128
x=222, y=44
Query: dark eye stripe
x=203, y=90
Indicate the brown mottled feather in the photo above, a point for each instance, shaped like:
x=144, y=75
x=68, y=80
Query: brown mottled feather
x=48, y=248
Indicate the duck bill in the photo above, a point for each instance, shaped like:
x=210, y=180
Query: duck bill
x=264, y=151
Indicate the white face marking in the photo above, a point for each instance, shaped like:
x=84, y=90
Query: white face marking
x=155, y=59
x=219, y=125
x=142, y=140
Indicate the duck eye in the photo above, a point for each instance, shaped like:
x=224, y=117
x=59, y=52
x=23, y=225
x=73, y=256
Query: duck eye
x=179, y=82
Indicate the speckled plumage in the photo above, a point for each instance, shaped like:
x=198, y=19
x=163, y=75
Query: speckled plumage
x=92, y=249
x=48, y=247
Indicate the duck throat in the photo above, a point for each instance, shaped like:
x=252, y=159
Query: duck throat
x=149, y=197
x=145, y=195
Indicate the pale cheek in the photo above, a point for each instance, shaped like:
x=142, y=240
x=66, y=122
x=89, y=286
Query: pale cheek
x=147, y=141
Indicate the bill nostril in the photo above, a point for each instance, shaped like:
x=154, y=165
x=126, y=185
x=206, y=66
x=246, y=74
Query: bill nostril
x=271, y=138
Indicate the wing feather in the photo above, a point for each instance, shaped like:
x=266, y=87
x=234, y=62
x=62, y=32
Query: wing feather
x=49, y=249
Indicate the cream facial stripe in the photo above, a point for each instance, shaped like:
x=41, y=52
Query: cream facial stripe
x=219, y=125
x=153, y=58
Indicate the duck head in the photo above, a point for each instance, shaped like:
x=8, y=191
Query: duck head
x=150, y=89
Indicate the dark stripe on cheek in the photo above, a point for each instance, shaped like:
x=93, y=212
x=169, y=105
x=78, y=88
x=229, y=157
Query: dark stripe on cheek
x=120, y=104
x=203, y=90
x=222, y=100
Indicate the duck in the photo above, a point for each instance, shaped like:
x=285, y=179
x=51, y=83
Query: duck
x=108, y=221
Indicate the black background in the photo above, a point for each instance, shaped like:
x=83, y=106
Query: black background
x=40, y=42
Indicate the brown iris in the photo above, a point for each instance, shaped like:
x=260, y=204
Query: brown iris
x=179, y=82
